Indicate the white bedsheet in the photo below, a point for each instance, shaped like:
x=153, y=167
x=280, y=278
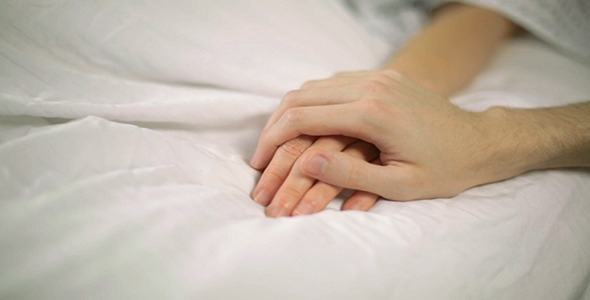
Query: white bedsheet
x=125, y=129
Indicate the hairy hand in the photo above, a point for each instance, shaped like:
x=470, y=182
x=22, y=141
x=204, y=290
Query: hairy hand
x=428, y=147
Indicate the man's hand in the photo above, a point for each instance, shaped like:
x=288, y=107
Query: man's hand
x=458, y=42
x=428, y=147
x=404, y=120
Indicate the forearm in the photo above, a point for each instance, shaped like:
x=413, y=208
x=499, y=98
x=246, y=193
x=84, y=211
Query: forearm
x=456, y=45
x=543, y=138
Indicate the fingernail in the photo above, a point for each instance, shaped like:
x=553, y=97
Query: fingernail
x=262, y=197
x=254, y=161
x=303, y=208
x=355, y=206
x=277, y=212
x=317, y=165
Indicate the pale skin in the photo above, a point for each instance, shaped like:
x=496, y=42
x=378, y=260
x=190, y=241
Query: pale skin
x=401, y=139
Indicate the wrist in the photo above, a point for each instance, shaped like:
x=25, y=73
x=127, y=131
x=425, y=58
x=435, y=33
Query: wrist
x=498, y=150
x=515, y=142
x=542, y=138
x=413, y=71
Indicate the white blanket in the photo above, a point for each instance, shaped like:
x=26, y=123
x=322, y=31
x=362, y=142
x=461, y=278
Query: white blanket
x=125, y=129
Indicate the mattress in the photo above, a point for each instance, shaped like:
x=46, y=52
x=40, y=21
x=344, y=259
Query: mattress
x=125, y=131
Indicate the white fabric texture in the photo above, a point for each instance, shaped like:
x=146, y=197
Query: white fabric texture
x=394, y=21
x=125, y=128
x=565, y=24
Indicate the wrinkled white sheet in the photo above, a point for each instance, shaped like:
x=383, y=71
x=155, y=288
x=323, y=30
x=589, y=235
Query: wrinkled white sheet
x=125, y=129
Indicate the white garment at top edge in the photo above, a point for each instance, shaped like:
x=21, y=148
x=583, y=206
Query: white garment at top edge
x=565, y=24
x=394, y=21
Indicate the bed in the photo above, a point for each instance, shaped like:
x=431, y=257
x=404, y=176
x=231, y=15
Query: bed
x=125, y=131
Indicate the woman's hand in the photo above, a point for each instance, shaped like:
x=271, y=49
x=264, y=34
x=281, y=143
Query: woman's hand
x=287, y=191
x=428, y=147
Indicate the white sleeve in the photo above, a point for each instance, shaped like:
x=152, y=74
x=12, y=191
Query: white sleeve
x=564, y=23
x=393, y=21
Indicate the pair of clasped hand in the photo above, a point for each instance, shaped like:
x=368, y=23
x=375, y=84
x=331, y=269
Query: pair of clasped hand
x=375, y=132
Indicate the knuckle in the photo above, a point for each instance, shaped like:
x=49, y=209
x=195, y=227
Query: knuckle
x=290, y=192
x=291, y=98
x=354, y=175
x=309, y=84
x=293, y=115
x=372, y=114
x=273, y=177
x=294, y=148
x=382, y=78
x=288, y=196
x=392, y=74
x=370, y=107
x=373, y=86
x=313, y=203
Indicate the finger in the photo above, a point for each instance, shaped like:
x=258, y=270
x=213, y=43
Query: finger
x=289, y=194
x=343, y=170
x=278, y=169
x=346, y=78
x=291, y=190
x=353, y=88
x=341, y=119
x=330, y=82
x=318, y=197
x=391, y=78
x=317, y=96
x=341, y=88
x=354, y=78
x=356, y=73
x=360, y=200
x=392, y=74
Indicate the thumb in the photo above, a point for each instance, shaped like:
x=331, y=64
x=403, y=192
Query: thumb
x=343, y=170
